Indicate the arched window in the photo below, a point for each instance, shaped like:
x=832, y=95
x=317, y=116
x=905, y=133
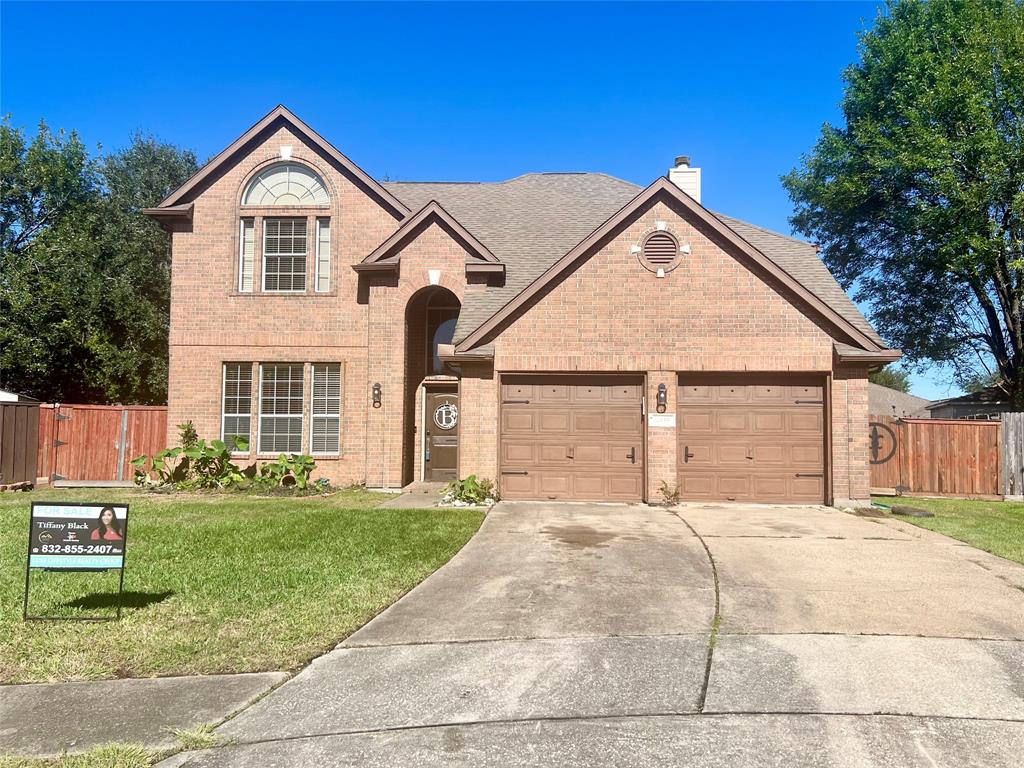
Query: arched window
x=287, y=184
x=287, y=239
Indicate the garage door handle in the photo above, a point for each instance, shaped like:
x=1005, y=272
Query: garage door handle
x=686, y=454
x=632, y=455
x=514, y=472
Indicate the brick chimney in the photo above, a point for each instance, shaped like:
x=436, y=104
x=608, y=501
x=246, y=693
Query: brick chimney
x=685, y=177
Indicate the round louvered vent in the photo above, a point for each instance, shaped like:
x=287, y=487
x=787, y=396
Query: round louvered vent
x=660, y=251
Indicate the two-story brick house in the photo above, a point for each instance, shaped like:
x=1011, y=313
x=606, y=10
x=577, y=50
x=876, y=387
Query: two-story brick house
x=572, y=335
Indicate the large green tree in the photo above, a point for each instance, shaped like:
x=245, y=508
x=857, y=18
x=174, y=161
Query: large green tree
x=84, y=276
x=917, y=201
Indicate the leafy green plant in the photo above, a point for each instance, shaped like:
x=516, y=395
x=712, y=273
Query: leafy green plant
x=291, y=470
x=168, y=465
x=470, y=491
x=199, y=465
x=211, y=465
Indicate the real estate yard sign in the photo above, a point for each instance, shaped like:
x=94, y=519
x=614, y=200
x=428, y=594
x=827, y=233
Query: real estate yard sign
x=73, y=536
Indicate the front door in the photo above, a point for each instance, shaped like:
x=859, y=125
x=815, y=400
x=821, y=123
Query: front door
x=441, y=430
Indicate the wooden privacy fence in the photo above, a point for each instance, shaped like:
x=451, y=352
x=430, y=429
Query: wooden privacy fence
x=97, y=442
x=19, y=436
x=937, y=457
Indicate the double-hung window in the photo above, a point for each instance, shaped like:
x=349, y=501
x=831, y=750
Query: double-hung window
x=246, y=255
x=237, y=406
x=284, y=254
x=325, y=409
x=281, y=403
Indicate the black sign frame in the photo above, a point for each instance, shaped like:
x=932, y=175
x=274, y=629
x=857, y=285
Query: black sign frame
x=29, y=568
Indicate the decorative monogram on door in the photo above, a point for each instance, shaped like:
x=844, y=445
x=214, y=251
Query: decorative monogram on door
x=446, y=416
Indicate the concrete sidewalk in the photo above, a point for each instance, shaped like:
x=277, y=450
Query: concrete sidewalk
x=43, y=720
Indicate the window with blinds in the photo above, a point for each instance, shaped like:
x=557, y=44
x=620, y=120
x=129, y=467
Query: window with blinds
x=325, y=409
x=237, y=405
x=246, y=254
x=281, y=401
x=323, y=255
x=284, y=254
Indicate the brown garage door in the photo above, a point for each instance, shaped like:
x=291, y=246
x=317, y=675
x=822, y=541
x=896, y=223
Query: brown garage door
x=746, y=439
x=571, y=437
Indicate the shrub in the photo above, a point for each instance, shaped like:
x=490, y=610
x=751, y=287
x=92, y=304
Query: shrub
x=470, y=491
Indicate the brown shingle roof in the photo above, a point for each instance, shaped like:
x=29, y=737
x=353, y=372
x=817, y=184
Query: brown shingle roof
x=531, y=221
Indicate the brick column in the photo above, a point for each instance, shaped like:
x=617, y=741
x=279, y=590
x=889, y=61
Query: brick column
x=661, y=441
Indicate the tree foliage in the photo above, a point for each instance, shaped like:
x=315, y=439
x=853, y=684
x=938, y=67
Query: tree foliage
x=84, y=275
x=918, y=201
x=893, y=378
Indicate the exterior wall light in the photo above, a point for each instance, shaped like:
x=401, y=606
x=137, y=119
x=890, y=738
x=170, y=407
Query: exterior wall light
x=662, y=398
x=375, y=394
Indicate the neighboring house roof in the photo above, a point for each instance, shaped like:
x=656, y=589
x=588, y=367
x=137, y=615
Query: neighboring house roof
x=883, y=401
x=986, y=397
x=532, y=221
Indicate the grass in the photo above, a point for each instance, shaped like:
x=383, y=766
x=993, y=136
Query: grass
x=994, y=526
x=217, y=583
x=105, y=756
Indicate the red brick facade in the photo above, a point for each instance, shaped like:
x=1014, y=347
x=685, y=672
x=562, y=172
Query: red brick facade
x=713, y=313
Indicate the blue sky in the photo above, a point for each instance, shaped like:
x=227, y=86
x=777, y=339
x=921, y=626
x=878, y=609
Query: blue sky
x=457, y=91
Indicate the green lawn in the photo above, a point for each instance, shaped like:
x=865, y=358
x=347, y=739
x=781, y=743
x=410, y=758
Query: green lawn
x=995, y=526
x=217, y=583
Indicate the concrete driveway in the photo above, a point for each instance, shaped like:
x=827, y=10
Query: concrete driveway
x=601, y=635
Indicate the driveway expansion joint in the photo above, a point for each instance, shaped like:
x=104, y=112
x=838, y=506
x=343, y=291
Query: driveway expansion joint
x=716, y=621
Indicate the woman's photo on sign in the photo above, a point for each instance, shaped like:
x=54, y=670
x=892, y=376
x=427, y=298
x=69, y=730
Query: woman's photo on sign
x=108, y=527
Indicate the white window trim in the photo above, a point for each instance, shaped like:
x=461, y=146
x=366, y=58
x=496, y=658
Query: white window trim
x=260, y=453
x=313, y=414
x=224, y=415
x=263, y=258
x=241, y=253
x=316, y=271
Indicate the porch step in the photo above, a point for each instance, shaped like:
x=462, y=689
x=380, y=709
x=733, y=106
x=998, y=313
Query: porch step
x=425, y=488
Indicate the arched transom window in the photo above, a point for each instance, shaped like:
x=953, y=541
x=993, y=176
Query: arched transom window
x=287, y=184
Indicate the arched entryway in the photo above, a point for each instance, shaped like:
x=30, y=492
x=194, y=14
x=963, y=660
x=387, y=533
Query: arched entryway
x=431, y=388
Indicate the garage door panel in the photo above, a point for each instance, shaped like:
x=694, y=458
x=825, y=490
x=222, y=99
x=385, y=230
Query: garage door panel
x=552, y=394
x=624, y=486
x=768, y=422
x=549, y=422
x=521, y=486
x=518, y=422
x=806, y=393
x=697, y=485
x=519, y=391
x=811, y=455
x=806, y=421
x=735, y=421
x=554, y=453
x=589, y=453
x=624, y=422
x=588, y=421
x=624, y=393
x=697, y=421
x=809, y=489
x=734, y=485
x=516, y=452
x=732, y=453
